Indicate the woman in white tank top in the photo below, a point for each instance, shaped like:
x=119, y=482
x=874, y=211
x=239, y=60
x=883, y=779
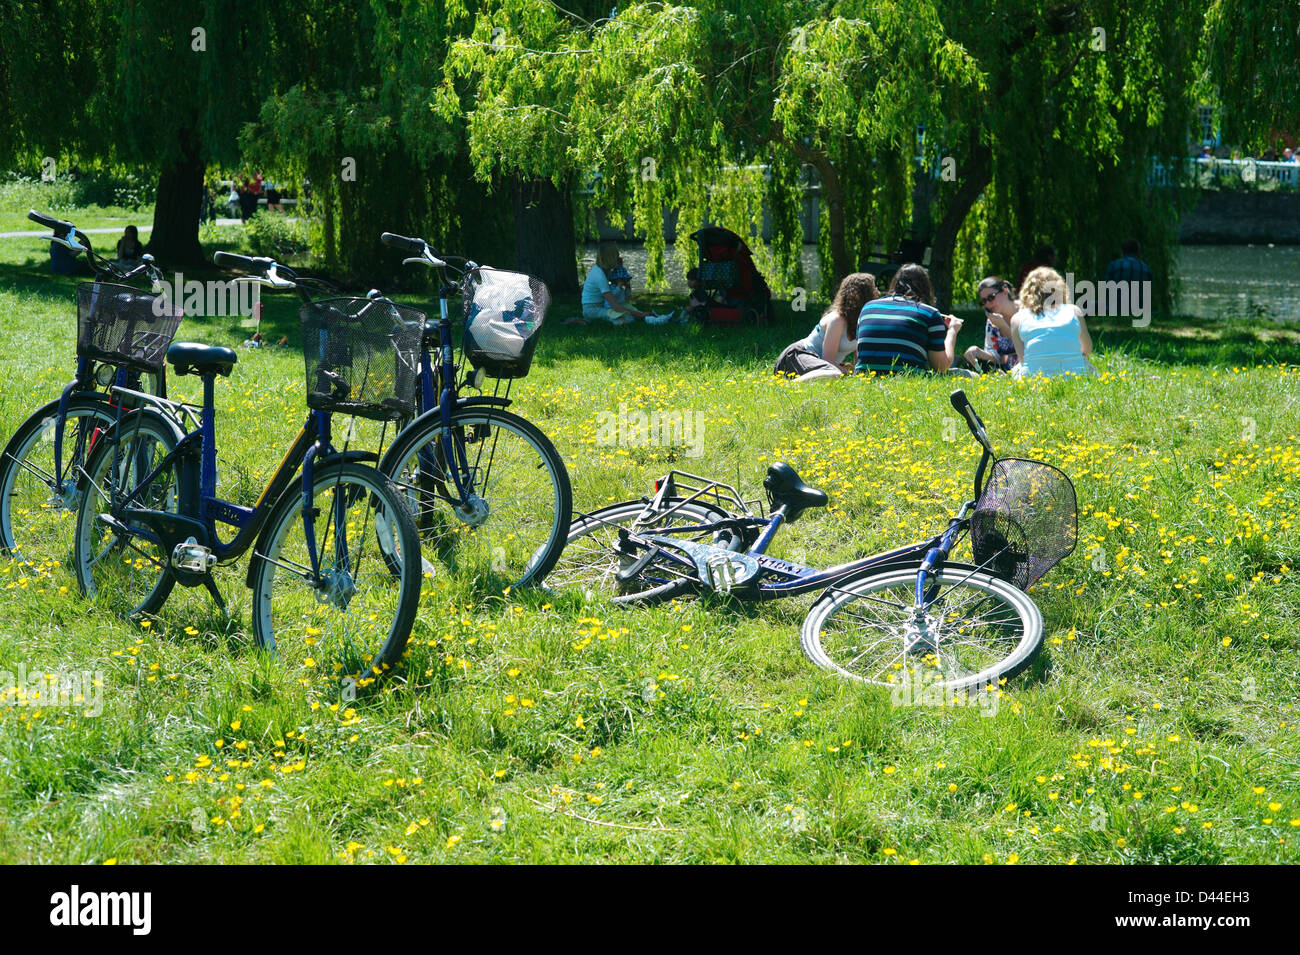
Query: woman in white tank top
x=829, y=349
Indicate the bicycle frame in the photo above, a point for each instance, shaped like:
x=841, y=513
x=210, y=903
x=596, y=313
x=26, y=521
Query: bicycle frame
x=200, y=510
x=762, y=577
x=771, y=577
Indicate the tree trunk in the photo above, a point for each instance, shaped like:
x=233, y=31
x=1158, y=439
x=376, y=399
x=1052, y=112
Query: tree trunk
x=833, y=197
x=175, y=237
x=544, y=240
x=974, y=180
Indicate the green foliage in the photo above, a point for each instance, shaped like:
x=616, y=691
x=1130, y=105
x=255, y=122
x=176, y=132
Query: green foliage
x=121, y=189
x=1248, y=69
x=276, y=235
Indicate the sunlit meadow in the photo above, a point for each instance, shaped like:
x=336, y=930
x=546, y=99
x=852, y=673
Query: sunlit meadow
x=1157, y=725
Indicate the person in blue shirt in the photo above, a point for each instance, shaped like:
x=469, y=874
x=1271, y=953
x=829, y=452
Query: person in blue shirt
x=903, y=331
x=1050, y=334
x=1128, y=267
x=601, y=298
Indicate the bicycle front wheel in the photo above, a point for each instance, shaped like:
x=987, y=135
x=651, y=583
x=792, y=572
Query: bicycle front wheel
x=37, y=507
x=118, y=557
x=508, y=531
x=349, y=613
x=971, y=630
x=594, y=555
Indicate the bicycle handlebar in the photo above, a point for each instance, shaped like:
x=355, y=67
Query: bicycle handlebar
x=229, y=260
x=404, y=243
x=58, y=226
x=71, y=238
x=266, y=271
x=961, y=404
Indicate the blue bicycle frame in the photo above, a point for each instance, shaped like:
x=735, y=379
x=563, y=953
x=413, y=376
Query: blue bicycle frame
x=753, y=574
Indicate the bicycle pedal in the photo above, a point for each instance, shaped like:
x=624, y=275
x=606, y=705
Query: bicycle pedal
x=192, y=557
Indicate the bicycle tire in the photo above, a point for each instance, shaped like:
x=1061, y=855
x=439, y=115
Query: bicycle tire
x=134, y=584
x=38, y=521
x=516, y=533
x=850, y=602
x=324, y=628
x=595, y=567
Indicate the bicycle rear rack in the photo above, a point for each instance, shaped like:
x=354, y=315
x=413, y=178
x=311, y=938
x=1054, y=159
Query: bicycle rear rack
x=693, y=488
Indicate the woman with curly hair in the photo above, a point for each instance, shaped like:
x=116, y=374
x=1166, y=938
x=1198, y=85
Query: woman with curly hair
x=1049, y=333
x=825, y=352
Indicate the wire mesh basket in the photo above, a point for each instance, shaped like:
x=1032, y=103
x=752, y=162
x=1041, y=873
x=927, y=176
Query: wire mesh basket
x=124, y=326
x=362, y=356
x=1025, y=521
x=504, y=312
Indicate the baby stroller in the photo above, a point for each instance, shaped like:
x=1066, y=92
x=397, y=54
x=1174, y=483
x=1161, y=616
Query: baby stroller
x=738, y=294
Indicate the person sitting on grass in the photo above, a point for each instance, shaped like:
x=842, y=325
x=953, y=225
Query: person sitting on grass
x=999, y=351
x=1050, y=334
x=903, y=331
x=697, y=306
x=828, y=350
x=601, y=298
x=129, y=248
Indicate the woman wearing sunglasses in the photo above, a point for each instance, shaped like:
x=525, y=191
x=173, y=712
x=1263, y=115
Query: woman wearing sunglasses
x=999, y=351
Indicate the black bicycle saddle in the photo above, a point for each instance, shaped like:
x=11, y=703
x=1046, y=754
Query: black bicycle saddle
x=784, y=486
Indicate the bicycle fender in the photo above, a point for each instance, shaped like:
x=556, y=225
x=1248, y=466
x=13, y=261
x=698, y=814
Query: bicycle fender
x=472, y=400
x=348, y=457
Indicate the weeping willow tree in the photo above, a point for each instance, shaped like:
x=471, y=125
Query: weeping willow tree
x=1250, y=67
x=357, y=125
x=157, y=84
x=1080, y=99
x=1038, y=120
x=713, y=109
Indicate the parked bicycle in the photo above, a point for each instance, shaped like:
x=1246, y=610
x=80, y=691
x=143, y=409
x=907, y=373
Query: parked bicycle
x=122, y=337
x=907, y=613
x=334, y=574
x=490, y=493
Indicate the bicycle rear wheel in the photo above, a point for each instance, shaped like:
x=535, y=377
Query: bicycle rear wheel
x=117, y=558
x=510, y=532
x=353, y=618
x=37, y=510
x=593, y=557
x=972, y=630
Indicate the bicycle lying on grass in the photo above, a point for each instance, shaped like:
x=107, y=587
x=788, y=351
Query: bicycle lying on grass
x=121, y=340
x=903, y=614
x=334, y=571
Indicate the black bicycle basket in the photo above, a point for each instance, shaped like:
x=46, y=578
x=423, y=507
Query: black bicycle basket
x=1025, y=521
x=362, y=356
x=504, y=312
x=124, y=326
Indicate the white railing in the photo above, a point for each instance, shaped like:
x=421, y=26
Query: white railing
x=1250, y=171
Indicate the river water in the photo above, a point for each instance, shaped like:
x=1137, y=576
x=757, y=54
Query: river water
x=1215, y=281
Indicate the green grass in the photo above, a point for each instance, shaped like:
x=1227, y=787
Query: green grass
x=1157, y=725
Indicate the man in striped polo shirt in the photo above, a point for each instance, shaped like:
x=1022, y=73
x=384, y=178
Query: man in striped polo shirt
x=903, y=331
